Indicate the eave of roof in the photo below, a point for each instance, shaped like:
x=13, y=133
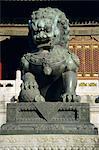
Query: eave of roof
x=73, y=24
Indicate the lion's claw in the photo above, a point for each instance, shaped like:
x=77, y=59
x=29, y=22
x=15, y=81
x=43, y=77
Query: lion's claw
x=67, y=97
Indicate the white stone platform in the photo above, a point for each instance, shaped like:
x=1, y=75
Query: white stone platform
x=49, y=142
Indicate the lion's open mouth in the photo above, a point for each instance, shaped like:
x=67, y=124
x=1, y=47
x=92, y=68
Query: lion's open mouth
x=44, y=45
x=42, y=40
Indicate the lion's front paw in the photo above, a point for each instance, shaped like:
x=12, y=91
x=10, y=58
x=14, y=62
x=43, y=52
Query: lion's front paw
x=68, y=97
x=30, y=92
x=39, y=98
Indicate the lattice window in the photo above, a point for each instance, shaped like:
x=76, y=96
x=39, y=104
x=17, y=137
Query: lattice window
x=88, y=60
x=80, y=54
x=96, y=61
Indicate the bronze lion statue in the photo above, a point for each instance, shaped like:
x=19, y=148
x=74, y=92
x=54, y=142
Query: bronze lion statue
x=49, y=72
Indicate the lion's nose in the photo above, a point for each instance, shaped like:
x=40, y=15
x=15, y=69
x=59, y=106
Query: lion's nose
x=41, y=24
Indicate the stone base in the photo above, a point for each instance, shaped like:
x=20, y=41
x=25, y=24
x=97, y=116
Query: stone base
x=49, y=142
x=94, y=115
x=48, y=118
x=49, y=129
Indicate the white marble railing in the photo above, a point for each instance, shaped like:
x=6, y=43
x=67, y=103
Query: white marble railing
x=87, y=87
x=7, y=89
x=88, y=90
x=10, y=88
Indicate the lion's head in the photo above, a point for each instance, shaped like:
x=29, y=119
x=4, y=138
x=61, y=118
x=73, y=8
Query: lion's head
x=49, y=27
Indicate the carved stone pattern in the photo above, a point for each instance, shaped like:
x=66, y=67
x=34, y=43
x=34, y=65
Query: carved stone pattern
x=31, y=110
x=49, y=142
